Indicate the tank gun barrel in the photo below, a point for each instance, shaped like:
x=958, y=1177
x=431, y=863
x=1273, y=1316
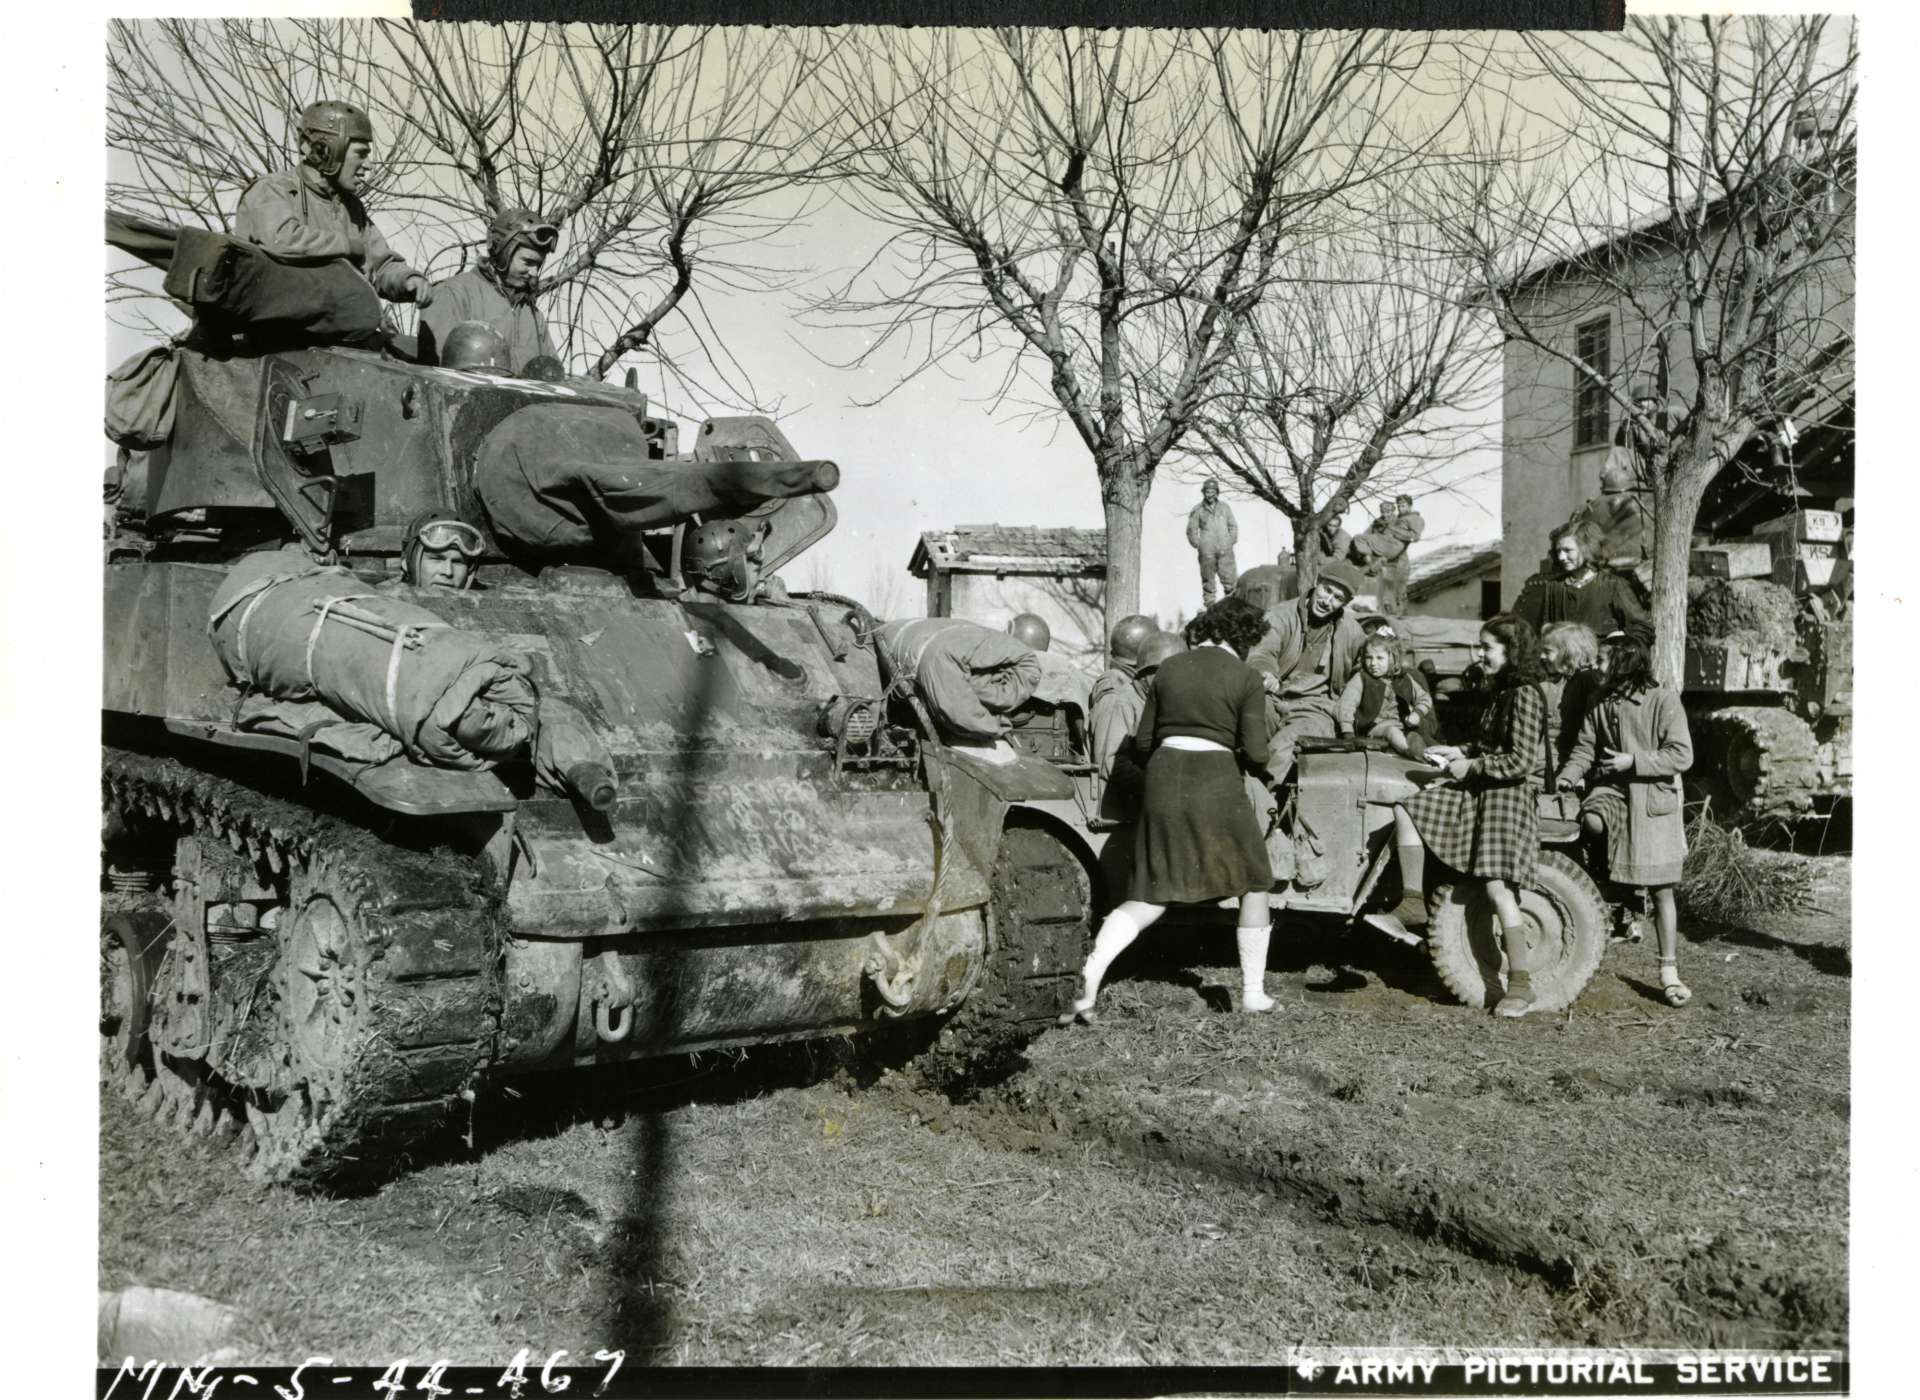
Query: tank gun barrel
x=576, y=480
x=682, y=490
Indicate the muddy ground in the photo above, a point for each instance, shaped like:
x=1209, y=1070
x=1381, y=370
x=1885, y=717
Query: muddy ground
x=1178, y=1184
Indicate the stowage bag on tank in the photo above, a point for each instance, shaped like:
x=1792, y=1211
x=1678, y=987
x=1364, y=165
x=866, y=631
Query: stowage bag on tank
x=283, y=625
x=236, y=285
x=571, y=479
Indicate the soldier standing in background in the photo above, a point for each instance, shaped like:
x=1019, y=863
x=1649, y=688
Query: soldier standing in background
x=1213, y=532
x=312, y=212
x=499, y=291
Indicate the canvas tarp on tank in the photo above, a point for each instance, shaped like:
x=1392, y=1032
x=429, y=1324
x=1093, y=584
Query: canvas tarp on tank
x=236, y=286
x=569, y=479
x=297, y=631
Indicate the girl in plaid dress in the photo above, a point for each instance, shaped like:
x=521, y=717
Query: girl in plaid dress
x=1485, y=822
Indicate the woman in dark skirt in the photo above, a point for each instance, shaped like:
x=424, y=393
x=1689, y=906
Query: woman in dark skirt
x=1486, y=822
x=1197, y=840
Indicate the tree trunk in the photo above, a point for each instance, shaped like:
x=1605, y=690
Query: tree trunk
x=1306, y=554
x=1674, y=514
x=1124, y=510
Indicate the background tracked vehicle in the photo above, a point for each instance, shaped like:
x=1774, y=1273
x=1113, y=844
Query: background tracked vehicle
x=321, y=958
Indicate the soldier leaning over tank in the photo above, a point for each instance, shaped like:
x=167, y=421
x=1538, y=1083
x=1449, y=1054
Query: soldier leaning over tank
x=312, y=213
x=969, y=676
x=499, y=292
x=1575, y=590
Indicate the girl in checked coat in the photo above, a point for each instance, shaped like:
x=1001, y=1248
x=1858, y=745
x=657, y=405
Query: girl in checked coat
x=1486, y=822
x=1634, y=745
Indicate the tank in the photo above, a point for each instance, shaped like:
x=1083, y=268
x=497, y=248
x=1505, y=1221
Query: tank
x=324, y=960
x=1768, y=687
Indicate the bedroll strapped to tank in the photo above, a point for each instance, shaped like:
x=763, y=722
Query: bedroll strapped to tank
x=296, y=631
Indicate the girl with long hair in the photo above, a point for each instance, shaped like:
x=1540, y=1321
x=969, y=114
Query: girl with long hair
x=1485, y=821
x=1197, y=841
x=1632, y=747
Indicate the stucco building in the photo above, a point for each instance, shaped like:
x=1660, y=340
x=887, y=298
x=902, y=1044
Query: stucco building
x=1456, y=580
x=988, y=573
x=1555, y=435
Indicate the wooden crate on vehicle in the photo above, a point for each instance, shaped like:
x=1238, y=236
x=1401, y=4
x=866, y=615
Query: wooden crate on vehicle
x=1803, y=527
x=1734, y=559
x=1724, y=665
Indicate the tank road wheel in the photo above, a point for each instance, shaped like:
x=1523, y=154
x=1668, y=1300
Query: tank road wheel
x=1037, y=940
x=1756, y=761
x=126, y=985
x=1566, y=929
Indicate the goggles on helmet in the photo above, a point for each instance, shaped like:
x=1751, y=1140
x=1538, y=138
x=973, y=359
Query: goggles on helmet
x=541, y=236
x=439, y=535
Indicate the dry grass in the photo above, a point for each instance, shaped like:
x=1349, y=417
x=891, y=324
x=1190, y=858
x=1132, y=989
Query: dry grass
x=1726, y=881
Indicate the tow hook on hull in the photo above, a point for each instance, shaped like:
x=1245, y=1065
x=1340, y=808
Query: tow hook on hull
x=609, y=991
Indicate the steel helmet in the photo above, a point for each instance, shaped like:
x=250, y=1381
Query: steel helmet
x=1030, y=630
x=438, y=530
x=1156, y=649
x=326, y=128
x=721, y=554
x=474, y=345
x=1129, y=634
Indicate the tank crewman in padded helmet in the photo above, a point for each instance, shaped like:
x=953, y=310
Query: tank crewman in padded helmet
x=476, y=346
x=969, y=676
x=312, y=212
x=439, y=550
x=499, y=291
x=723, y=557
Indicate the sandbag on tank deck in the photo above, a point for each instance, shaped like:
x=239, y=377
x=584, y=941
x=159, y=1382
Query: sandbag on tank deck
x=288, y=627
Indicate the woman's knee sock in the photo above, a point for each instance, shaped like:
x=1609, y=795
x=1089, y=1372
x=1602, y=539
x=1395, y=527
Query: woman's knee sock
x=1117, y=930
x=1253, y=942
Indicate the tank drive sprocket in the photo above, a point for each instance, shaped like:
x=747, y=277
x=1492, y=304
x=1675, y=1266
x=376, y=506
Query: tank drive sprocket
x=341, y=1010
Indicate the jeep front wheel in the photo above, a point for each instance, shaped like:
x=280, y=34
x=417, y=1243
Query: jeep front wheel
x=1566, y=923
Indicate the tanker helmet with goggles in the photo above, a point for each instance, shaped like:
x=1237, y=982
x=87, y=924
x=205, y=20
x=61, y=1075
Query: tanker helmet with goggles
x=440, y=551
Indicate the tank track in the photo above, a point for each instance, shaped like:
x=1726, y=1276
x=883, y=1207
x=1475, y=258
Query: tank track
x=1039, y=940
x=1760, y=762
x=358, y=1024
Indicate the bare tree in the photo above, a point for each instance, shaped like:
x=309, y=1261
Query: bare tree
x=1368, y=376
x=1102, y=209
x=1705, y=198
x=667, y=153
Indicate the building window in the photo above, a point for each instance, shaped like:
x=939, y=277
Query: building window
x=1489, y=599
x=1594, y=346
